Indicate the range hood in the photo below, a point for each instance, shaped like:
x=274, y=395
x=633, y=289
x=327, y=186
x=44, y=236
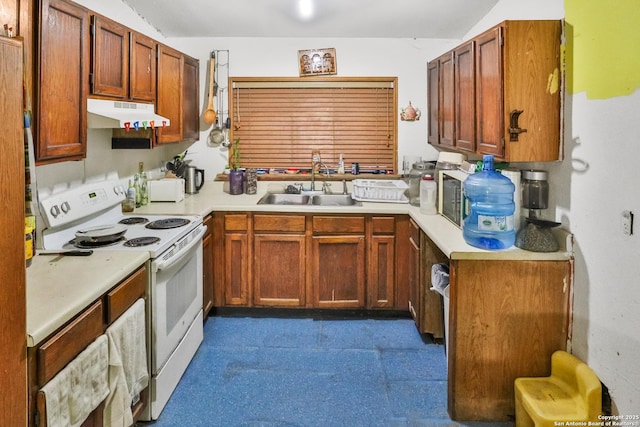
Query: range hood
x=122, y=115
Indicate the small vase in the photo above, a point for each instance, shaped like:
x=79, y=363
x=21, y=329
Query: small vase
x=236, y=181
x=250, y=181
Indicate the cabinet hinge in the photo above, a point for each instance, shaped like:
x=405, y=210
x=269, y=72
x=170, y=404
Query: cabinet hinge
x=36, y=419
x=91, y=82
x=502, y=141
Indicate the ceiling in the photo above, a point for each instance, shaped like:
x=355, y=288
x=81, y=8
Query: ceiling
x=446, y=19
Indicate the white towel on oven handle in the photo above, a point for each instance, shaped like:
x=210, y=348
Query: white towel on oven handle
x=128, y=372
x=79, y=387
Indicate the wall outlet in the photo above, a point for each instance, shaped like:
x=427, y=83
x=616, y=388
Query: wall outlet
x=627, y=222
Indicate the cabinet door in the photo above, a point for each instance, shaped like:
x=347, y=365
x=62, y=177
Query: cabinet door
x=237, y=257
x=190, y=98
x=432, y=102
x=381, y=274
x=142, y=74
x=62, y=82
x=413, y=276
x=170, y=77
x=447, y=99
x=207, y=267
x=465, y=100
x=338, y=271
x=279, y=270
x=109, y=58
x=489, y=93
x=431, y=313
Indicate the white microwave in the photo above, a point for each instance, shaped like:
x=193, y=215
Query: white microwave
x=452, y=204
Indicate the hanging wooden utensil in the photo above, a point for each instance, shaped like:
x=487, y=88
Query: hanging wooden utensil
x=210, y=113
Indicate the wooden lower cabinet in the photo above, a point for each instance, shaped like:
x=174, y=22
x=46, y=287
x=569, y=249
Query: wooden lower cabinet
x=207, y=267
x=506, y=319
x=338, y=271
x=237, y=258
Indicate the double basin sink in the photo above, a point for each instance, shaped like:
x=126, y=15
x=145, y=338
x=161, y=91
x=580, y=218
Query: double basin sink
x=308, y=199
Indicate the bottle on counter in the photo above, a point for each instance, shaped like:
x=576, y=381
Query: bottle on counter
x=428, y=189
x=129, y=203
x=29, y=247
x=490, y=221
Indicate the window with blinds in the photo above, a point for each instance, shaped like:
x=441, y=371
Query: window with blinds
x=281, y=121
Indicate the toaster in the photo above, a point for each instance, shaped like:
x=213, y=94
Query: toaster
x=166, y=190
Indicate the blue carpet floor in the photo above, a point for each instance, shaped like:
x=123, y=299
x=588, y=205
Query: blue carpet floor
x=283, y=372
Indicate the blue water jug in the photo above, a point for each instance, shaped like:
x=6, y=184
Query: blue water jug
x=489, y=224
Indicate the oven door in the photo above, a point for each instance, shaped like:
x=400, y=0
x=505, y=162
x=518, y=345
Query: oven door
x=176, y=298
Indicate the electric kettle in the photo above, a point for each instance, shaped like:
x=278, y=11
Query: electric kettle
x=193, y=184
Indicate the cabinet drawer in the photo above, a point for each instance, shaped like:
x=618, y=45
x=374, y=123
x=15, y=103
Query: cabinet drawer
x=414, y=232
x=60, y=349
x=338, y=224
x=125, y=294
x=279, y=223
x=236, y=222
x=383, y=225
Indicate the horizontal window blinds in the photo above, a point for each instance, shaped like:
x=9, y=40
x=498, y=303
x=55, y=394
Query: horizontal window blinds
x=280, y=122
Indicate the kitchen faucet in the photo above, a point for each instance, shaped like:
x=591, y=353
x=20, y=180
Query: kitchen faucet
x=313, y=173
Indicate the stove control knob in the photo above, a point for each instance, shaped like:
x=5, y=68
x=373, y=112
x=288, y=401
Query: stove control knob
x=55, y=211
x=65, y=207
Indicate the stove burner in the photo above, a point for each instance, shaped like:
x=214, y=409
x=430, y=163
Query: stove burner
x=133, y=220
x=141, y=241
x=167, y=223
x=90, y=245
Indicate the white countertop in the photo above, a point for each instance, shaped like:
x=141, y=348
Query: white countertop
x=444, y=234
x=60, y=287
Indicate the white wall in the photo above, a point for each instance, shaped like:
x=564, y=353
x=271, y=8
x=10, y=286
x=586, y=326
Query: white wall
x=590, y=189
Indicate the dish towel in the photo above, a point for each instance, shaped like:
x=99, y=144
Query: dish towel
x=128, y=373
x=79, y=387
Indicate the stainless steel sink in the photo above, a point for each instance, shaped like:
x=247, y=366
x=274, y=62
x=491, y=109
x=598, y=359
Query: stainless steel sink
x=334, y=200
x=284, y=199
x=305, y=199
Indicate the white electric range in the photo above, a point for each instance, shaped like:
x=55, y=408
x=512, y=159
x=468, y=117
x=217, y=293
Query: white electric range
x=174, y=290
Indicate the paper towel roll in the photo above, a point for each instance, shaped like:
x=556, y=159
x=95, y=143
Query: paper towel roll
x=515, y=176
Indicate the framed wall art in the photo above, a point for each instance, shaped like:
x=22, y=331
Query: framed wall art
x=317, y=62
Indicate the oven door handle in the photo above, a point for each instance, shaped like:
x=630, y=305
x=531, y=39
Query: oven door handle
x=185, y=251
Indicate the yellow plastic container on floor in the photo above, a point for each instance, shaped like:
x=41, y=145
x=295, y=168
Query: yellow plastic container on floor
x=571, y=393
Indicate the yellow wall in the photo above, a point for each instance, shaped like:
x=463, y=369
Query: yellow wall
x=603, y=47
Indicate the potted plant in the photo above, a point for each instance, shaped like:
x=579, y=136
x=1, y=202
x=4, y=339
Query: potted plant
x=235, y=174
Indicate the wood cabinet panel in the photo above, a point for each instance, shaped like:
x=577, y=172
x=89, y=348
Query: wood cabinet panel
x=279, y=277
x=237, y=289
x=170, y=93
x=190, y=100
x=13, y=360
x=65, y=345
x=489, y=93
x=506, y=319
x=433, y=105
x=109, y=58
x=236, y=222
x=142, y=75
x=381, y=283
x=431, y=308
x=338, y=271
x=446, y=115
x=465, y=100
x=207, y=267
x=119, y=299
x=62, y=83
x=383, y=225
x=279, y=223
x=338, y=224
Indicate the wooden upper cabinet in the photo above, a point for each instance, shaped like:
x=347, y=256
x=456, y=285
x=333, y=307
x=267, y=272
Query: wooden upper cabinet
x=142, y=63
x=508, y=82
x=109, y=58
x=446, y=101
x=433, y=106
x=489, y=93
x=465, y=102
x=170, y=93
x=191, y=100
x=61, y=82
